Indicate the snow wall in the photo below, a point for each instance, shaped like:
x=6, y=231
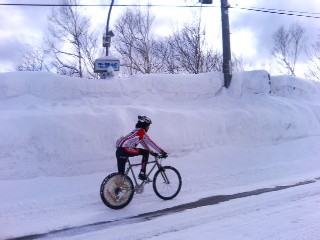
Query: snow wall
x=69, y=126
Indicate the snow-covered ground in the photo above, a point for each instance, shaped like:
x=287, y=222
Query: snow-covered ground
x=57, y=145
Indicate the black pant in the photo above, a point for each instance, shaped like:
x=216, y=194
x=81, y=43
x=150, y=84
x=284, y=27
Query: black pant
x=123, y=154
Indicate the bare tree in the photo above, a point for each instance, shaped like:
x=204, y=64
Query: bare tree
x=33, y=59
x=73, y=45
x=189, y=52
x=214, y=61
x=135, y=43
x=288, y=45
x=239, y=64
x=313, y=55
x=165, y=59
x=186, y=48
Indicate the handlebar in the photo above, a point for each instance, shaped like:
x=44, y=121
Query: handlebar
x=159, y=155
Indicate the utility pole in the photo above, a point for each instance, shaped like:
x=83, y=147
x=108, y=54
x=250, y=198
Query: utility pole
x=227, y=69
x=109, y=34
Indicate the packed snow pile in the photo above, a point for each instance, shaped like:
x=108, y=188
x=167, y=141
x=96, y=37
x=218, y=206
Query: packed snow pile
x=54, y=125
x=291, y=87
x=49, y=86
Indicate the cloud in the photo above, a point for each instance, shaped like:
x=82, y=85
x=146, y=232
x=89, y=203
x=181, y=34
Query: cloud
x=9, y=50
x=263, y=25
x=20, y=26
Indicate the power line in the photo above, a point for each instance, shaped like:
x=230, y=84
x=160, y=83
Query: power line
x=280, y=12
x=255, y=9
x=97, y=5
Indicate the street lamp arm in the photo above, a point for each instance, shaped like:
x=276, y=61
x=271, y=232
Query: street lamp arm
x=107, y=28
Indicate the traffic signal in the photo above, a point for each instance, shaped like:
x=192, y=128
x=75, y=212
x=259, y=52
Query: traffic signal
x=206, y=1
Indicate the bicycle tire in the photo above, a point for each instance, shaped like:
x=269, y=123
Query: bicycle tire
x=167, y=183
x=116, y=191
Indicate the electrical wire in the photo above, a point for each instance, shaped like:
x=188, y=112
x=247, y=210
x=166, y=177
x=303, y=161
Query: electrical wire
x=255, y=9
x=280, y=12
x=96, y=5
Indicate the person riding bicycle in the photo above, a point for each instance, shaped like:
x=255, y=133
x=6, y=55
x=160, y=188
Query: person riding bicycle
x=127, y=146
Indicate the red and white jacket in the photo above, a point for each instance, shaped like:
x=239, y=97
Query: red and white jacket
x=137, y=136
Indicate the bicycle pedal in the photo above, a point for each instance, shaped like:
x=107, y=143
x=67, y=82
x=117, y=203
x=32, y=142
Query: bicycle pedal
x=148, y=181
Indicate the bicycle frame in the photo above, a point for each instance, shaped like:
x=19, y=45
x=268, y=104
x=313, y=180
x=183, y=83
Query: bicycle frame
x=130, y=169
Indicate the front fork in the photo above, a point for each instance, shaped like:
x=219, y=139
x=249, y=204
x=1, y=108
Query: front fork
x=163, y=174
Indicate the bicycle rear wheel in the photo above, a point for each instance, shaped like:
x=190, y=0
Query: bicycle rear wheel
x=167, y=183
x=116, y=191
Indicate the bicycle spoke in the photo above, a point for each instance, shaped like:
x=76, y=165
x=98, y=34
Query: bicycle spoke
x=116, y=191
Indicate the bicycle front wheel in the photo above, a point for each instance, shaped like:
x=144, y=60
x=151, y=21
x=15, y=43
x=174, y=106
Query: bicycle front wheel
x=116, y=191
x=167, y=183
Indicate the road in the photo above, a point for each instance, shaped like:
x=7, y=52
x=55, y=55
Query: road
x=260, y=207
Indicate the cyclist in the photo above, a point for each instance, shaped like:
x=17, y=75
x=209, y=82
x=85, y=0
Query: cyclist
x=127, y=146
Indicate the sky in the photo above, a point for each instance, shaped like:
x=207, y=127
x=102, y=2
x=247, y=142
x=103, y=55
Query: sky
x=251, y=32
x=57, y=144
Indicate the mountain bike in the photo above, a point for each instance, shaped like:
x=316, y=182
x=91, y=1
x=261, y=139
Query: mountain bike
x=117, y=189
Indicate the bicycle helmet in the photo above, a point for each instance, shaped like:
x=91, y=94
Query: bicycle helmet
x=144, y=119
x=143, y=122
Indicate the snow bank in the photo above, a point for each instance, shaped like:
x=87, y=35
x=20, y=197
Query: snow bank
x=293, y=87
x=251, y=82
x=50, y=86
x=52, y=125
